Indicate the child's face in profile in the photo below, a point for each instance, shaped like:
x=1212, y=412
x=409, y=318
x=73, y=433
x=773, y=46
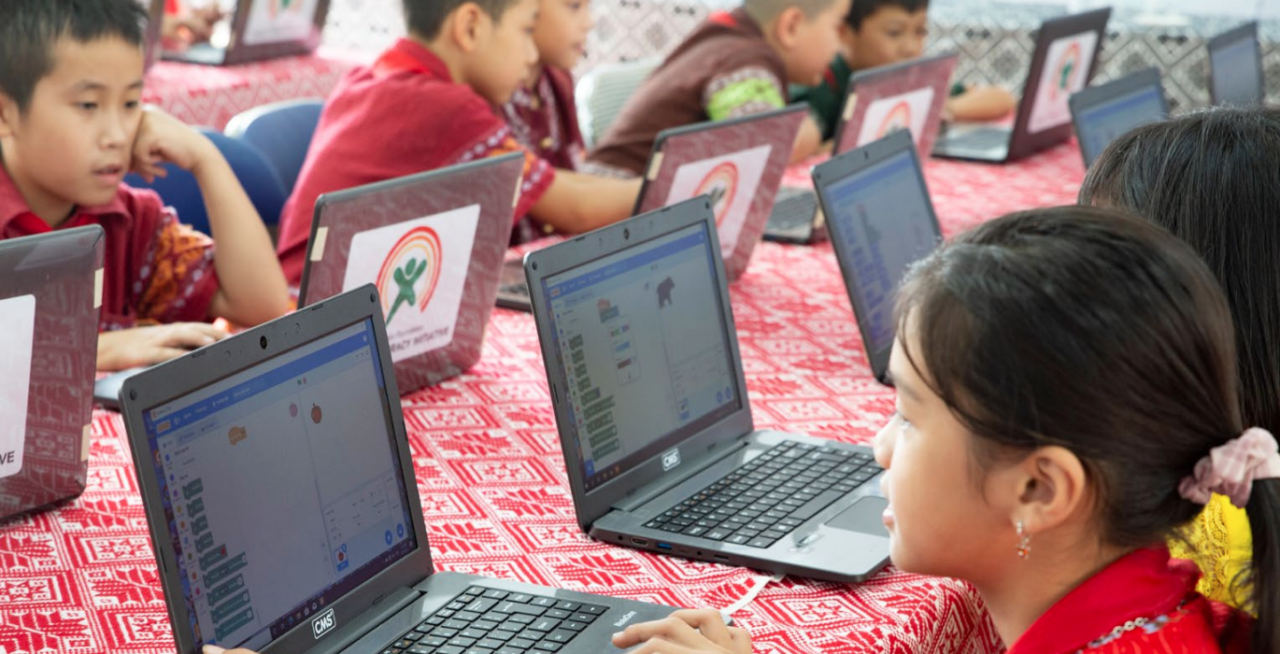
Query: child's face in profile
x=561, y=32
x=74, y=142
x=505, y=52
x=816, y=43
x=889, y=35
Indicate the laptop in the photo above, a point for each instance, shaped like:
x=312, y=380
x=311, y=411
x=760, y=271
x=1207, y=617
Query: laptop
x=257, y=30
x=651, y=405
x=738, y=162
x=1102, y=113
x=1065, y=58
x=909, y=95
x=1235, y=67
x=151, y=47
x=433, y=244
x=881, y=221
x=279, y=488
x=50, y=299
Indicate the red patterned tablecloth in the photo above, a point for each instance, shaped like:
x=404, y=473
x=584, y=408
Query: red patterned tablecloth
x=82, y=579
x=209, y=96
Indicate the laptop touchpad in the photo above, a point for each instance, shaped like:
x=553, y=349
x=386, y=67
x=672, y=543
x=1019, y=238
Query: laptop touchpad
x=863, y=517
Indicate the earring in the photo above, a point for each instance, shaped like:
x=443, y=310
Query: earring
x=1024, y=540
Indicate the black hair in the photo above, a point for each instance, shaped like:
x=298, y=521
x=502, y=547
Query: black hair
x=425, y=18
x=862, y=9
x=1099, y=332
x=30, y=29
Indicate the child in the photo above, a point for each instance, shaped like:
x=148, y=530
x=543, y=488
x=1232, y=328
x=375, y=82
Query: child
x=879, y=33
x=71, y=126
x=542, y=113
x=1212, y=179
x=430, y=101
x=1066, y=400
x=735, y=64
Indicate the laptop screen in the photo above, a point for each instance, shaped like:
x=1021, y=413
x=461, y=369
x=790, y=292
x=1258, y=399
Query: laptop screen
x=885, y=225
x=1100, y=124
x=311, y=430
x=642, y=343
x=1236, y=72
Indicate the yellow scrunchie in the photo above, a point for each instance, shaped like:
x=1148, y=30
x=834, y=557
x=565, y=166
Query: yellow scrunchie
x=1220, y=543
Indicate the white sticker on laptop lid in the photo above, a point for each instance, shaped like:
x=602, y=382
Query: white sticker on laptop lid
x=276, y=21
x=17, y=341
x=888, y=115
x=420, y=267
x=732, y=181
x=318, y=243
x=1066, y=69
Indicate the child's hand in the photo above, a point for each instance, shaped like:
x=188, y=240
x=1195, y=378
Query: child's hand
x=214, y=649
x=146, y=346
x=163, y=138
x=685, y=632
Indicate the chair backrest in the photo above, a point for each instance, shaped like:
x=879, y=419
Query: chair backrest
x=281, y=132
x=180, y=190
x=601, y=94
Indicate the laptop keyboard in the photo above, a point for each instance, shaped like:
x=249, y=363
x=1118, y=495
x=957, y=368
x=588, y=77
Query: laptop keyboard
x=982, y=138
x=769, y=497
x=793, y=209
x=489, y=621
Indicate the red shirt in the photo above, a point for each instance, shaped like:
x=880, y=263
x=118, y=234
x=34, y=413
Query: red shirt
x=400, y=116
x=544, y=119
x=156, y=269
x=1148, y=586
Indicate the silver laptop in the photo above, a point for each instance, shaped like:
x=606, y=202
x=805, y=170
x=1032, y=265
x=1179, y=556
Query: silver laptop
x=881, y=221
x=1064, y=61
x=1235, y=67
x=651, y=405
x=1102, y=113
x=279, y=487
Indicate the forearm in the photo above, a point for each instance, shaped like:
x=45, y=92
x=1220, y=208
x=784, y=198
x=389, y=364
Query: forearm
x=808, y=141
x=577, y=203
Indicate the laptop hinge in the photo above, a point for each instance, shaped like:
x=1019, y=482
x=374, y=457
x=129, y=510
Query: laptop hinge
x=697, y=465
x=380, y=612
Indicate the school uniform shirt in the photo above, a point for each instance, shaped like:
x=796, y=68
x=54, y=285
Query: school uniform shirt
x=824, y=99
x=1144, y=603
x=403, y=115
x=544, y=119
x=156, y=270
x=725, y=69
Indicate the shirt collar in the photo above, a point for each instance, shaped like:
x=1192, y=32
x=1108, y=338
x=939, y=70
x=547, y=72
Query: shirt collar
x=12, y=204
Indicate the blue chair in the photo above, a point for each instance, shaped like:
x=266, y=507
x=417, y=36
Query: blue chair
x=180, y=190
x=281, y=132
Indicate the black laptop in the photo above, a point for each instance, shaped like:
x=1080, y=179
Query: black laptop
x=1235, y=67
x=1065, y=58
x=1102, y=113
x=651, y=405
x=256, y=30
x=279, y=487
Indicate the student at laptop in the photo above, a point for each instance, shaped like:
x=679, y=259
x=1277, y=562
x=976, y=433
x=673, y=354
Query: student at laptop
x=71, y=126
x=1066, y=402
x=431, y=101
x=736, y=63
x=1213, y=179
x=542, y=113
x=879, y=33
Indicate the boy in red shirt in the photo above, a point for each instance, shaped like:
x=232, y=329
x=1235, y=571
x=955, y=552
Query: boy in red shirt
x=71, y=126
x=429, y=102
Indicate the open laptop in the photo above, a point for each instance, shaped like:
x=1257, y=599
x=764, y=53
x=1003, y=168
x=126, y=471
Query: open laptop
x=151, y=42
x=1065, y=58
x=256, y=30
x=50, y=299
x=738, y=162
x=1102, y=113
x=881, y=221
x=1235, y=67
x=279, y=488
x=433, y=244
x=909, y=95
x=642, y=362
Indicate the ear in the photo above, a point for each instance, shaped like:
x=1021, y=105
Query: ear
x=9, y=115
x=1050, y=486
x=786, y=26
x=467, y=25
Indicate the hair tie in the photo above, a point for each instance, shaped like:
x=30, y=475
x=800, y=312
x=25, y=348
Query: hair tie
x=1231, y=468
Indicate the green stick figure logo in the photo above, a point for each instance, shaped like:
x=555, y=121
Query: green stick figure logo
x=410, y=272
x=1068, y=66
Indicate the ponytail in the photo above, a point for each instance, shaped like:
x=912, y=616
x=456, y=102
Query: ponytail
x=1264, y=575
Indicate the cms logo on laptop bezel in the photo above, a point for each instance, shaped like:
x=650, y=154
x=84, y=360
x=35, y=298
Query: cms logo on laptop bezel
x=670, y=460
x=323, y=624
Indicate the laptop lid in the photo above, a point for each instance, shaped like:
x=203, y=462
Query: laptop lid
x=155, y=20
x=1102, y=113
x=277, y=480
x=738, y=162
x=908, y=95
x=881, y=221
x=1235, y=67
x=433, y=244
x=641, y=353
x=50, y=295
x=1065, y=58
x=259, y=29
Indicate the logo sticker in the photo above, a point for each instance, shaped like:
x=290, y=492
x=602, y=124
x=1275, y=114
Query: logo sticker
x=670, y=460
x=17, y=341
x=904, y=111
x=731, y=180
x=323, y=624
x=1065, y=72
